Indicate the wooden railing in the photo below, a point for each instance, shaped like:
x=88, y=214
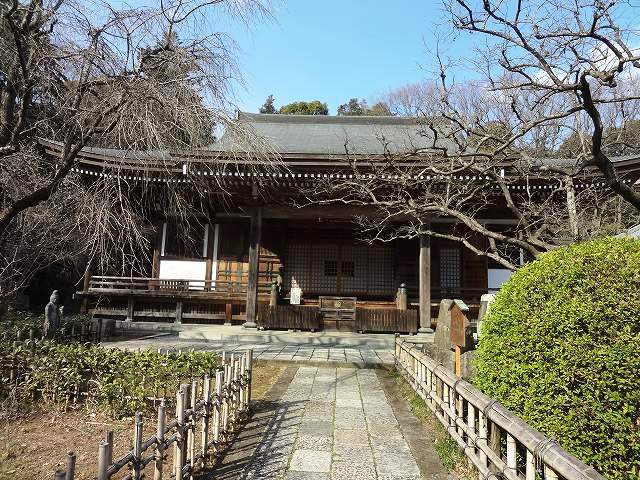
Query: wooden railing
x=293, y=317
x=499, y=444
x=386, y=320
x=212, y=411
x=107, y=284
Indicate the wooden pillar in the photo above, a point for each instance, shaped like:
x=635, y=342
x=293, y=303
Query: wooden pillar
x=179, y=307
x=157, y=247
x=84, y=307
x=208, y=255
x=425, y=283
x=130, y=309
x=255, y=233
x=228, y=314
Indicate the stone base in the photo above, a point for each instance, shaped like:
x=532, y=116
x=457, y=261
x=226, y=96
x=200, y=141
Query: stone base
x=447, y=359
x=425, y=330
x=250, y=325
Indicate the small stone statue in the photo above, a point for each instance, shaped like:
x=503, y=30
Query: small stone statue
x=52, y=316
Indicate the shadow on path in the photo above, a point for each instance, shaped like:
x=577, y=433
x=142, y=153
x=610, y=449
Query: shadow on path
x=261, y=449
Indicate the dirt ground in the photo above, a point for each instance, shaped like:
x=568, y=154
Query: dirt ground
x=34, y=444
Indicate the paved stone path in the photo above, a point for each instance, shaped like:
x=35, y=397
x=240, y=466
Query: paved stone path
x=329, y=423
x=362, y=355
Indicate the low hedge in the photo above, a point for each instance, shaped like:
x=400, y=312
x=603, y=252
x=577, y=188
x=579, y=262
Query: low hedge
x=15, y=321
x=119, y=381
x=561, y=349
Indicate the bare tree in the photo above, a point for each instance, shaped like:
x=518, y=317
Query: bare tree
x=533, y=137
x=558, y=64
x=84, y=74
x=497, y=214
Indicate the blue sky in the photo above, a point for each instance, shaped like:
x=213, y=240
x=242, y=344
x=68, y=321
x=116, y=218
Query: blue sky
x=332, y=50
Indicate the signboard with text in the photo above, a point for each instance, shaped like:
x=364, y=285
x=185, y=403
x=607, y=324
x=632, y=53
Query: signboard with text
x=461, y=335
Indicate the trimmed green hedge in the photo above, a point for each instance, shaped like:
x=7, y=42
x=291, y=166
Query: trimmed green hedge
x=561, y=349
x=14, y=321
x=116, y=380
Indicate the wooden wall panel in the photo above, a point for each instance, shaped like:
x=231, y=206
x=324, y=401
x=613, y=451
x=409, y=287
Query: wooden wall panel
x=233, y=261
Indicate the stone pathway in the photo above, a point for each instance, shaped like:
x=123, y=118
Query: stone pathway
x=329, y=423
x=361, y=356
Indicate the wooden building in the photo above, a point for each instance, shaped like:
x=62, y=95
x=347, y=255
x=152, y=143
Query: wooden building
x=307, y=261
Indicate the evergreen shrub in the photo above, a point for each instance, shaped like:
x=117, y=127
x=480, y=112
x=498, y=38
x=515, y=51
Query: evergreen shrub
x=118, y=381
x=561, y=349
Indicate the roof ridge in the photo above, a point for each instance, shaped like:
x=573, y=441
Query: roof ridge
x=328, y=119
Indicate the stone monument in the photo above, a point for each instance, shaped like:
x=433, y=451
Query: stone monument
x=52, y=316
x=485, y=304
x=441, y=349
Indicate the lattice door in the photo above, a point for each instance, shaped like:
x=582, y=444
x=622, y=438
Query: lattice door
x=333, y=269
x=450, y=271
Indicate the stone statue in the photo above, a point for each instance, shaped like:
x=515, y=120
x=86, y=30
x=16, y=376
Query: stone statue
x=52, y=316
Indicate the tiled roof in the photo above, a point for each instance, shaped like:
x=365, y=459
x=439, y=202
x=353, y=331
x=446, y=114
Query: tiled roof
x=335, y=135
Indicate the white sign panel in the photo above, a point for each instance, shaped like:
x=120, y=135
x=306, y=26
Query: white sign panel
x=184, y=270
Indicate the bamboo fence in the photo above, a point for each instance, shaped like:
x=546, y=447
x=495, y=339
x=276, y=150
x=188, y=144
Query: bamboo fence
x=497, y=443
x=211, y=411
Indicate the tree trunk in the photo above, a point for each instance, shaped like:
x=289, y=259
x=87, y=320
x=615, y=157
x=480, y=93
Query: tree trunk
x=571, y=207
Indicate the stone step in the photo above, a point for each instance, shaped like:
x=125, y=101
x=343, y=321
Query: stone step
x=240, y=335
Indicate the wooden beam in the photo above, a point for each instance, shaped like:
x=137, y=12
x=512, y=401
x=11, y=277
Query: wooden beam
x=425, y=283
x=255, y=233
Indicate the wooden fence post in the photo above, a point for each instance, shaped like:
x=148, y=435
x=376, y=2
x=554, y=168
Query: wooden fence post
x=530, y=468
x=512, y=458
x=157, y=471
x=103, y=462
x=249, y=376
x=71, y=466
x=137, y=447
x=191, y=433
x=494, y=443
x=109, y=440
x=206, y=395
x=235, y=377
x=243, y=382
x=217, y=408
x=225, y=400
x=482, y=440
x=180, y=446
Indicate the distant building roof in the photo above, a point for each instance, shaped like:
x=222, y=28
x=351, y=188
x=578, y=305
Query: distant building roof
x=335, y=135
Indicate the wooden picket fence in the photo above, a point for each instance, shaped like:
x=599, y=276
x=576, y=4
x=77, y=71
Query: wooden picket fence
x=214, y=412
x=498, y=444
